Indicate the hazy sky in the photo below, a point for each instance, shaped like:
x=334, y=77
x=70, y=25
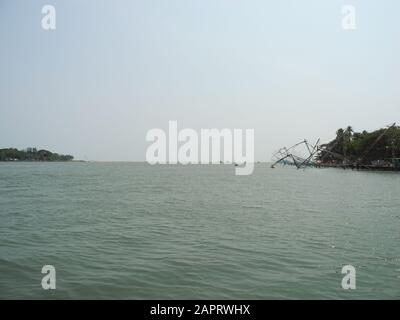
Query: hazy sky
x=112, y=70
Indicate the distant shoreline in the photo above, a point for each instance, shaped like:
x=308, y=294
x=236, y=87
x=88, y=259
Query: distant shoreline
x=42, y=161
x=32, y=155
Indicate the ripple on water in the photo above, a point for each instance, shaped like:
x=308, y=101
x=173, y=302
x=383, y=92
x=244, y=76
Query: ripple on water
x=124, y=230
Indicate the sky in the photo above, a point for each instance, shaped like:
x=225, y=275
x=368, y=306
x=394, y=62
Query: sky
x=113, y=70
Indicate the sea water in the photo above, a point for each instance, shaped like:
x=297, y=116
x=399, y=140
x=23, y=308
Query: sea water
x=136, y=231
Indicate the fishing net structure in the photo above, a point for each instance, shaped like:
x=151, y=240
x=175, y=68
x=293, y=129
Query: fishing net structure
x=301, y=155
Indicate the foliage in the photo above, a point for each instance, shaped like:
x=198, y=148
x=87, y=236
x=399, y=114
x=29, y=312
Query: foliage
x=31, y=154
x=363, y=146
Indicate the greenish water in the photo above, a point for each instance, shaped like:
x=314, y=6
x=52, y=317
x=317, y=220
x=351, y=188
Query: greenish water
x=131, y=230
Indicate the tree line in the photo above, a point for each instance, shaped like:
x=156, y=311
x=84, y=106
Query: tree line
x=32, y=154
x=382, y=144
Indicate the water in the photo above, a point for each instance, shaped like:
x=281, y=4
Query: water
x=131, y=230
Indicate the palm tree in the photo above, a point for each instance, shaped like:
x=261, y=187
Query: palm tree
x=349, y=131
x=340, y=141
x=347, y=137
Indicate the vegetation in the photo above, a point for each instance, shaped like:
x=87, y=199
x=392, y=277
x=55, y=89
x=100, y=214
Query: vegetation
x=31, y=154
x=362, y=147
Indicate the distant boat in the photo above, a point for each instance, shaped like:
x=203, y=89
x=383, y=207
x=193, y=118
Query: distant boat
x=236, y=165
